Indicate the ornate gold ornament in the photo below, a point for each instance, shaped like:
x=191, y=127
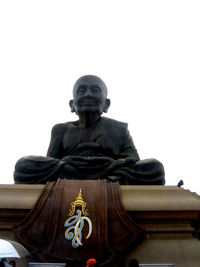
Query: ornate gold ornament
x=75, y=223
x=79, y=202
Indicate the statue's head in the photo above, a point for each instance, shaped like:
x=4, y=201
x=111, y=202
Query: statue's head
x=90, y=95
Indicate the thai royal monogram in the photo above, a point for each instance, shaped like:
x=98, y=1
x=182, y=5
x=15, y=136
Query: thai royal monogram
x=75, y=223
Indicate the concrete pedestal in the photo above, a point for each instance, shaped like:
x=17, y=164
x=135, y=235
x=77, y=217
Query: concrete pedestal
x=170, y=216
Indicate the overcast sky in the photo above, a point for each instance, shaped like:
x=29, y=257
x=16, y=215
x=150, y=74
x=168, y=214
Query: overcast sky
x=147, y=52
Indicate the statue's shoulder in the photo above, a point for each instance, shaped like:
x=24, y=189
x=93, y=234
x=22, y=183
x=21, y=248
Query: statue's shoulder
x=59, y=127
x=114, y=123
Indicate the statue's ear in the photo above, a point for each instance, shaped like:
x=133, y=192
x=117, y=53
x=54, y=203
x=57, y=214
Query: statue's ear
x=71, y=104
x=107, y=105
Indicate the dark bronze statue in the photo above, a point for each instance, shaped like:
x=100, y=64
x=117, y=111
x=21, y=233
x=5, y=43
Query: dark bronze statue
x=93, y=147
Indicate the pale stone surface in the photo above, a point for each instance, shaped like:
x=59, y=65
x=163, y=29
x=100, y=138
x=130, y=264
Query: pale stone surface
x=133, y=197
x=158, y=198
x=183, y=252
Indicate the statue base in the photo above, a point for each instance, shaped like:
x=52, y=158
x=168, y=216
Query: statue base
x=169, y=214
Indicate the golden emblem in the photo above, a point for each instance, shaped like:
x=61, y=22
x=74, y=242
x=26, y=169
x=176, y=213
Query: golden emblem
x=79, y=202
x=75, y=223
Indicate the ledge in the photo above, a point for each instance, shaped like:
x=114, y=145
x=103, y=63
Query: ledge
x=164, y=211
x=134, y=198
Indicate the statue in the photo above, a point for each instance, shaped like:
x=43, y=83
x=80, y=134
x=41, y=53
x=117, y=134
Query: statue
x=93, y=147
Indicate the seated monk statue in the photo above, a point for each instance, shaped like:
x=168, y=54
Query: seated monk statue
x=93, y=147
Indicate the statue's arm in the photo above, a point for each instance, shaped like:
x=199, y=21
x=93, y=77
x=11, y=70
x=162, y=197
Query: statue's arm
x=128, y=148
x=55, y=149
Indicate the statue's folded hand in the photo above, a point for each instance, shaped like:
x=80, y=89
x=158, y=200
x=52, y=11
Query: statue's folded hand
x=86, y=161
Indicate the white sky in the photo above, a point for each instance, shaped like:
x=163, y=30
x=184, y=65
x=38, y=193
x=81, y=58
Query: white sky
x=147, y=52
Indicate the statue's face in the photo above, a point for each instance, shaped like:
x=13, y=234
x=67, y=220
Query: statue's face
x=90, y=94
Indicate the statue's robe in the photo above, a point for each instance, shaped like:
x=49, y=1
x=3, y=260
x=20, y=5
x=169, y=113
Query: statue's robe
x=102, y=151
